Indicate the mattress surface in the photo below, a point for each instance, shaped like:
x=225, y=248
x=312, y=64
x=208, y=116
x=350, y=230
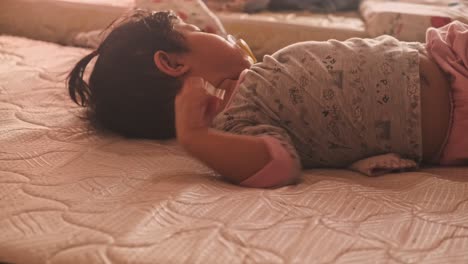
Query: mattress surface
x=71, y=195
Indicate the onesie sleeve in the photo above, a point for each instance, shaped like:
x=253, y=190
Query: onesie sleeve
x=280, y=170
x=284, y=166
x=248, y=113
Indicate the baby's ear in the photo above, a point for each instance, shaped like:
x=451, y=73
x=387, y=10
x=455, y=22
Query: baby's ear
x=170, y=63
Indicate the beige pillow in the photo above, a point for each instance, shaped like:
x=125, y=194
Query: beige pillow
x=193, y=12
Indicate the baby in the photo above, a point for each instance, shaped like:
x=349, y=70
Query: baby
x=371, y=105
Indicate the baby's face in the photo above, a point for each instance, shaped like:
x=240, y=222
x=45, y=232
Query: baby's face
x=211, y=56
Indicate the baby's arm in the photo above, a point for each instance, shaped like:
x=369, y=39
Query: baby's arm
x=255, y=161
x=251, y=161
x=236, y=157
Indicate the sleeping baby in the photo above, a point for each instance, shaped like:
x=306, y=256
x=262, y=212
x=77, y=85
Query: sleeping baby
x=371, y=105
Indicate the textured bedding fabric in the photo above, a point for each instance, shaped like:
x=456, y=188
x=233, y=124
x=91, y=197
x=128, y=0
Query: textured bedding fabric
x=69, y=195
x=58, y=20
x=408, y=20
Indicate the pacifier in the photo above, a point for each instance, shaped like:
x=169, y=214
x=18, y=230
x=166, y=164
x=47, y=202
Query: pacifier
x=242, y=46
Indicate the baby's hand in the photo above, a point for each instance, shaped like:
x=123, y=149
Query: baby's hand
x=194, y=109
x=382, y=164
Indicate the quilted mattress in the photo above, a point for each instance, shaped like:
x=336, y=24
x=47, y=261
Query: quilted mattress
x=72, y=195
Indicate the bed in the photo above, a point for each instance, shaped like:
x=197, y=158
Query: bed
x=72, y=195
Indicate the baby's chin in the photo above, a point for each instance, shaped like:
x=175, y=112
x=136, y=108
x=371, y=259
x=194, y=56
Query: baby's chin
x=248, y=62
x=238, y=70
x=244, y=60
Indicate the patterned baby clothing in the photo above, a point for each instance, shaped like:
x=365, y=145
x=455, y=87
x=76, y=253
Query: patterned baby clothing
x=341, y=104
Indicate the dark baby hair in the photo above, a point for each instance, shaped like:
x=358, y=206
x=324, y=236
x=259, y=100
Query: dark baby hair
x=127, y=94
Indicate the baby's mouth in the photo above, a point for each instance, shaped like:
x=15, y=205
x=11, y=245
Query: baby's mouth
x=242, y=46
